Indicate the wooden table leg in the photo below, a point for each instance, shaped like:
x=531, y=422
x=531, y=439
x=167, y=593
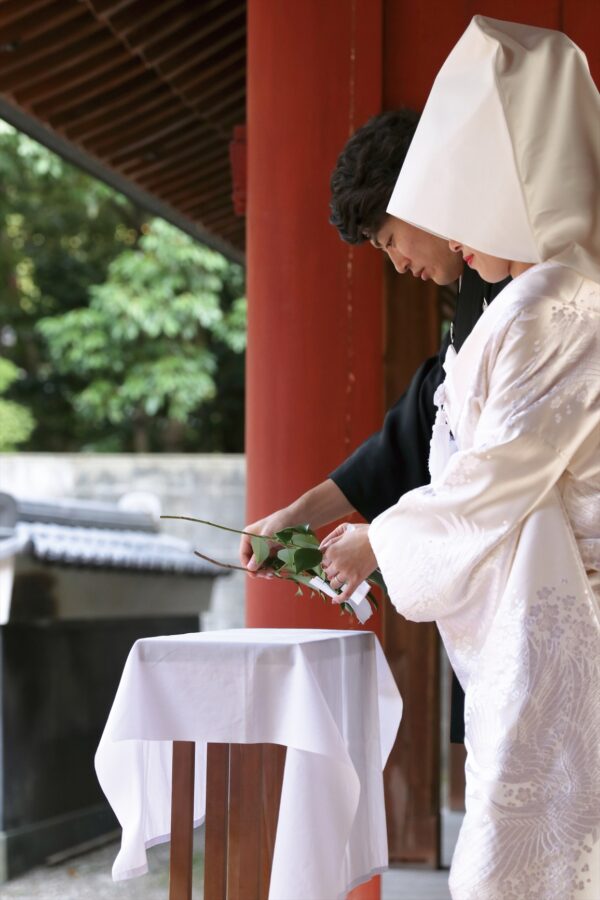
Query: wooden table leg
x=273, y=764
x=243, y=792
x=243, y=850
x=217, y=813
x=182, y=820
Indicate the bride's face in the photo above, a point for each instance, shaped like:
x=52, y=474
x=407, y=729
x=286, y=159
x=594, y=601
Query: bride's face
x=491, y=268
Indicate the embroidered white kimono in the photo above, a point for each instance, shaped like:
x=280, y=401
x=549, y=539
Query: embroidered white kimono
x=503, y=551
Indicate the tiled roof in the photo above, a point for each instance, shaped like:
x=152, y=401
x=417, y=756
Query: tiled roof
x=108, y=548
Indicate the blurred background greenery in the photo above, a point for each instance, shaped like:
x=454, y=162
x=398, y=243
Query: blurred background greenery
x=118, y=332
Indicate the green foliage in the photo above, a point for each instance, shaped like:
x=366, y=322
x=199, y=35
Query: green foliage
x=145, y=345
x=8, y=374
x=16, y=422
x=130, y=334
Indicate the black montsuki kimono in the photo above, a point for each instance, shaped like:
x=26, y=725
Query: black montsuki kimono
x=394, y=460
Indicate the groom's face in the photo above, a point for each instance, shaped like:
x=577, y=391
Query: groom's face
x=412, y=250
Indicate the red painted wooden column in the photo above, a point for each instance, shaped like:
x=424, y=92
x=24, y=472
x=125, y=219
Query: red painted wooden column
x=315, y=311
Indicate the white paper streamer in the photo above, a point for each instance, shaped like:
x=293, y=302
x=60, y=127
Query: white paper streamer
x=358, y=601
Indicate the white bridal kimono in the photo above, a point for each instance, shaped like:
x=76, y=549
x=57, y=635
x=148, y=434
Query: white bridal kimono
x=502, y=550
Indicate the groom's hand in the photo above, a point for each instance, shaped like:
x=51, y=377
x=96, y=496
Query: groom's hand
x=267, y=526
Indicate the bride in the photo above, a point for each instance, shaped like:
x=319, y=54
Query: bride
x=502, y=549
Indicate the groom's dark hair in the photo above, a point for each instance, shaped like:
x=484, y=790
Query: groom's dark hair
x=366, y=172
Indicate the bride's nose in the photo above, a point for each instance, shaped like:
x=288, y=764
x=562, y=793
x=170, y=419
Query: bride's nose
x=455, y=246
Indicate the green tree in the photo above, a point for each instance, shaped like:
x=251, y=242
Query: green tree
x=59, y=231
x=16, y=422
x=152, y=356
x=148, y=348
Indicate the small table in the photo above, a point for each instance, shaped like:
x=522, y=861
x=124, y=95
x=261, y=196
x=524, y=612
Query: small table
x=203, y=703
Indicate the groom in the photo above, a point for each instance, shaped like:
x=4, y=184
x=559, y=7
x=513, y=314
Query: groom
x=394, y=460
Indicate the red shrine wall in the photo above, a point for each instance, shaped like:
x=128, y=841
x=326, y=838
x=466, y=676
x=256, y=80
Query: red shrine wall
x=419, y=36
x=315, y=304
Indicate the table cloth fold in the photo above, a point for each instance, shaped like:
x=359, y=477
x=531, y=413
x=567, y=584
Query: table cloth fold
x=328, y=696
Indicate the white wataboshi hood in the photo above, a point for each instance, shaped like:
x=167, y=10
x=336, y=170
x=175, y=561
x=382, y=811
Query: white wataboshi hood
x=506, y=157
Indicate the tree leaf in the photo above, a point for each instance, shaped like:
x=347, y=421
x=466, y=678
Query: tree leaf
x=377, y=578
x=261, y=548
x=305, y=540
x=287, y=557
x=307, y=558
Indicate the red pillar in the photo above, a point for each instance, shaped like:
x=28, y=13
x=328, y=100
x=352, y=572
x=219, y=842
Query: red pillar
x=315, y=311
x=314, y=376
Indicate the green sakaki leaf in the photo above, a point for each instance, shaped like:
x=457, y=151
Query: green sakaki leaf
x=307, y=558
x=377, y=578
x=305, y=540
x=372, y=600
x=261, y=548
x=287, y=557
x=303, y=528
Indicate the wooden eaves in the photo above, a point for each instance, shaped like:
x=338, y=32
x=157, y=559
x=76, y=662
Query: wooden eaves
x=144, y=95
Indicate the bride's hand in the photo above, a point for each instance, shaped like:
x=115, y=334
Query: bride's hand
x=347, y=558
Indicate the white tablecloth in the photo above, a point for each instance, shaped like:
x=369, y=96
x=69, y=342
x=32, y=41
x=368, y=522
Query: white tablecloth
x=328, y=696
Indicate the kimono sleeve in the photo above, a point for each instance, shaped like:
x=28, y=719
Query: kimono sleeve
x=539, y=408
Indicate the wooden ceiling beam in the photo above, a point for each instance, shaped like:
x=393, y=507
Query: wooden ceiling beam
x=103, y=8
x=212, y=206
x=12, y=10
x=32, y=24
x=164, y=163
x=172, y=127
x=232, y=98
x=149, y=94
x=182, y=169
x=196, y=198
x=141, y=13
x=197, y=170
x=60, y=58
x=189, y=80
x=146, y=133
x=69, y=103
x=71, y=76
x=194, y=56
x=162, y=153
x=221, y=83
x=236, y=228
x=92, y=118
x=216, y=221
x=164, y=48
x=142, y=132
x=44, y=48
x=175, y=29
